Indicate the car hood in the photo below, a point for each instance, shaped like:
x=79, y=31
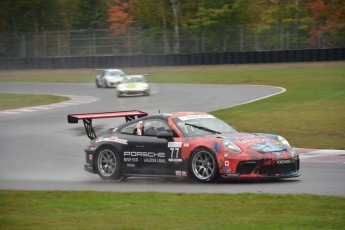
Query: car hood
x=263, y=143
x=133, y=85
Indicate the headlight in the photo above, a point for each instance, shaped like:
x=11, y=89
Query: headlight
x=283, y=140
x=120, y=87
x=144, y=87
x=231, y=146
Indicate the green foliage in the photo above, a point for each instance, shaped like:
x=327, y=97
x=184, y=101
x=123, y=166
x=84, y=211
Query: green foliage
x=14, y=101
x=109, y=210
x=30, y=15
x=90, y=14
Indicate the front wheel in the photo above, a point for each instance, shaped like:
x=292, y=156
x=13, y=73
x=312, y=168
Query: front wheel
x=203, y=165
x=108, y=164
x=97, y=84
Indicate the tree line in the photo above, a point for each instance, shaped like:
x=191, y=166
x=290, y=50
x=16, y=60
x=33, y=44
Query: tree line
x=325, y=17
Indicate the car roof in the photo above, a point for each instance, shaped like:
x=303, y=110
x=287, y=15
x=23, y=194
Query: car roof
x=174, y=115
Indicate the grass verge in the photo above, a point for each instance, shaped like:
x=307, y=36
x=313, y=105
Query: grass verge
x=108, y=210
x=14, y=101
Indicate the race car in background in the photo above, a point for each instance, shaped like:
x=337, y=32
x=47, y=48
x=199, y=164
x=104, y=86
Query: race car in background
x=182, y=144
x=109, y=77
x=134, y=85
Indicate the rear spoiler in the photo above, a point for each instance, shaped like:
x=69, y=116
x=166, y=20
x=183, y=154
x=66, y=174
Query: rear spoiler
x=87, y=118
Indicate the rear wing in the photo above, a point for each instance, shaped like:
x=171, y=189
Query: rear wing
x=87, y=119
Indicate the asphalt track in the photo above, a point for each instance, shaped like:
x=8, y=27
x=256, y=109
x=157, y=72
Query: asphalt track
x=41, y=151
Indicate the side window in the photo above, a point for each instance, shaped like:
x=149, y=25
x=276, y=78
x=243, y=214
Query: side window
x=130, y=129
x=153, y=126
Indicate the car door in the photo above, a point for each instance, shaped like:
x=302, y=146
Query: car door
x=148, y=154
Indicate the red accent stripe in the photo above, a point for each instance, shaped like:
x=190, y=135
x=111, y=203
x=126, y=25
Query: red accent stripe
x=106, y=115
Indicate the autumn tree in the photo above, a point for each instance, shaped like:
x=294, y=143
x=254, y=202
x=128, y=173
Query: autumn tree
x=329, y=18
x=119, y=16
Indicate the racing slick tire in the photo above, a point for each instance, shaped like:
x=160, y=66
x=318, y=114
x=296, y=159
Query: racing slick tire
x=108, y=164
x=97, y=84
x=106, y=83
x=203, y=165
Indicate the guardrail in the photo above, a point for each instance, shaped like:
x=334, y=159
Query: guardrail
x=174, y=59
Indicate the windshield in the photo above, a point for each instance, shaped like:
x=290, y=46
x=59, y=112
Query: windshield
x=114, y=73
x=133, y=79
x=200, y=125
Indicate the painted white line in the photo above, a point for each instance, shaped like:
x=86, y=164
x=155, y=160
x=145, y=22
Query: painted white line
x=74, y=100
x=260, y=98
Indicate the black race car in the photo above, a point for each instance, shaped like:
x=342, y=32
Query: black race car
x=183, y=144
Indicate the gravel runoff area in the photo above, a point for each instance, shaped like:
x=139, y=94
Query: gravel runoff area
x=35, y=72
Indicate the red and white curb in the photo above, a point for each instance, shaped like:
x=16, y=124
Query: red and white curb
x=74, y=100
x=321, y=155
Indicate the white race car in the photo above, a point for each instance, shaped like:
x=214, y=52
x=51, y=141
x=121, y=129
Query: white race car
x=134, y=85
x=109, y=77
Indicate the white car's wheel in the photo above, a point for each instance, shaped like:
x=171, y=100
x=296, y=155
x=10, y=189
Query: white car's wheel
x=97, y=84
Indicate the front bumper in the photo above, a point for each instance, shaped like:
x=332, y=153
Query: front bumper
x=133, y=92
x=266, y=168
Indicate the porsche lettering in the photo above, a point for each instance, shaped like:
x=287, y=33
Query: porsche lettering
x=144, y=154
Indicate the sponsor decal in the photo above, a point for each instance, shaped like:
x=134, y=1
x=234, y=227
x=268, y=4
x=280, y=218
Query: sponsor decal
x=281, y=162
x=216, y=147
x=112, y=139
x=180, y=173
x=232, y=174
x=174, y=144
x=227, y=163
x=140, y=128
x=130, y=165
x=191, y=117
x=130, y=159
x=251, y=140
x=174, y=160
x=146, y=157
x=144, y=154
x=186, y=145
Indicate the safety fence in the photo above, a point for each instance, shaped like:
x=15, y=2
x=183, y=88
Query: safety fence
x=115, y=42
x=118, y=61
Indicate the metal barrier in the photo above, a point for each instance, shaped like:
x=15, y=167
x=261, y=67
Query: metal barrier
x=174, y=59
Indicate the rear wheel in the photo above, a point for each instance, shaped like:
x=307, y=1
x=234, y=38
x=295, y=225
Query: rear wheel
x=108, y=164
x=203, y=165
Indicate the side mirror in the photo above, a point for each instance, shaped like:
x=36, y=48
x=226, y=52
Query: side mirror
x=164, y=134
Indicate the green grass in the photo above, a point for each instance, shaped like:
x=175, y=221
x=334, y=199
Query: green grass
x=108, y=210
x=310, y=114
x=13, y=101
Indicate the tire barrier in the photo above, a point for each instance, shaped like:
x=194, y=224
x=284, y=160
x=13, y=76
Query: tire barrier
x=142, y=60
